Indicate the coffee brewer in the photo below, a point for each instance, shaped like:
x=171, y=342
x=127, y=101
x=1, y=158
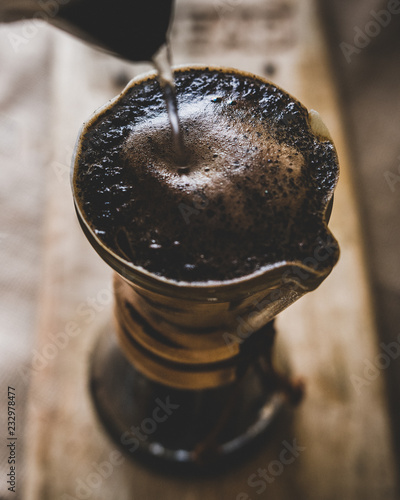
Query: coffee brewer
x=195, y=300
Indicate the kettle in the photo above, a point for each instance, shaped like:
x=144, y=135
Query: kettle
x=130, y=29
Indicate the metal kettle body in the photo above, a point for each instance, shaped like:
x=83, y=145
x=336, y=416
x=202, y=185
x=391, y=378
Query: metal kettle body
x=131, y=29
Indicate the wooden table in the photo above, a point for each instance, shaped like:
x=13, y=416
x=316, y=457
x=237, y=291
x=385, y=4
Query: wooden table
x=341, y=426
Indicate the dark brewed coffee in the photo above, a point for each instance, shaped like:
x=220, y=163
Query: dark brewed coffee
x=253, y=192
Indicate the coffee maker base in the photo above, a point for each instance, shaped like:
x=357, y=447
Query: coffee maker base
x=183, y=428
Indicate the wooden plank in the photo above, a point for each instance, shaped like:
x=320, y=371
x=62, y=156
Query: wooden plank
x=328, y=335
x=24, y=85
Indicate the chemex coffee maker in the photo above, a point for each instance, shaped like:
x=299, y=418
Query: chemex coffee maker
x=186, y=373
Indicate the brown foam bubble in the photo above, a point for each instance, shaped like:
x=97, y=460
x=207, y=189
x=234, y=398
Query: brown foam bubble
x=253, y=192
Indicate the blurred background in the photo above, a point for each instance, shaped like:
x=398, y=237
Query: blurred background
x=368, y=82
x=363, y=41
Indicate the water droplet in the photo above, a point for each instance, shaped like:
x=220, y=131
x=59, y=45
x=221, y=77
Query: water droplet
x=155, y=246
x=189, y=267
